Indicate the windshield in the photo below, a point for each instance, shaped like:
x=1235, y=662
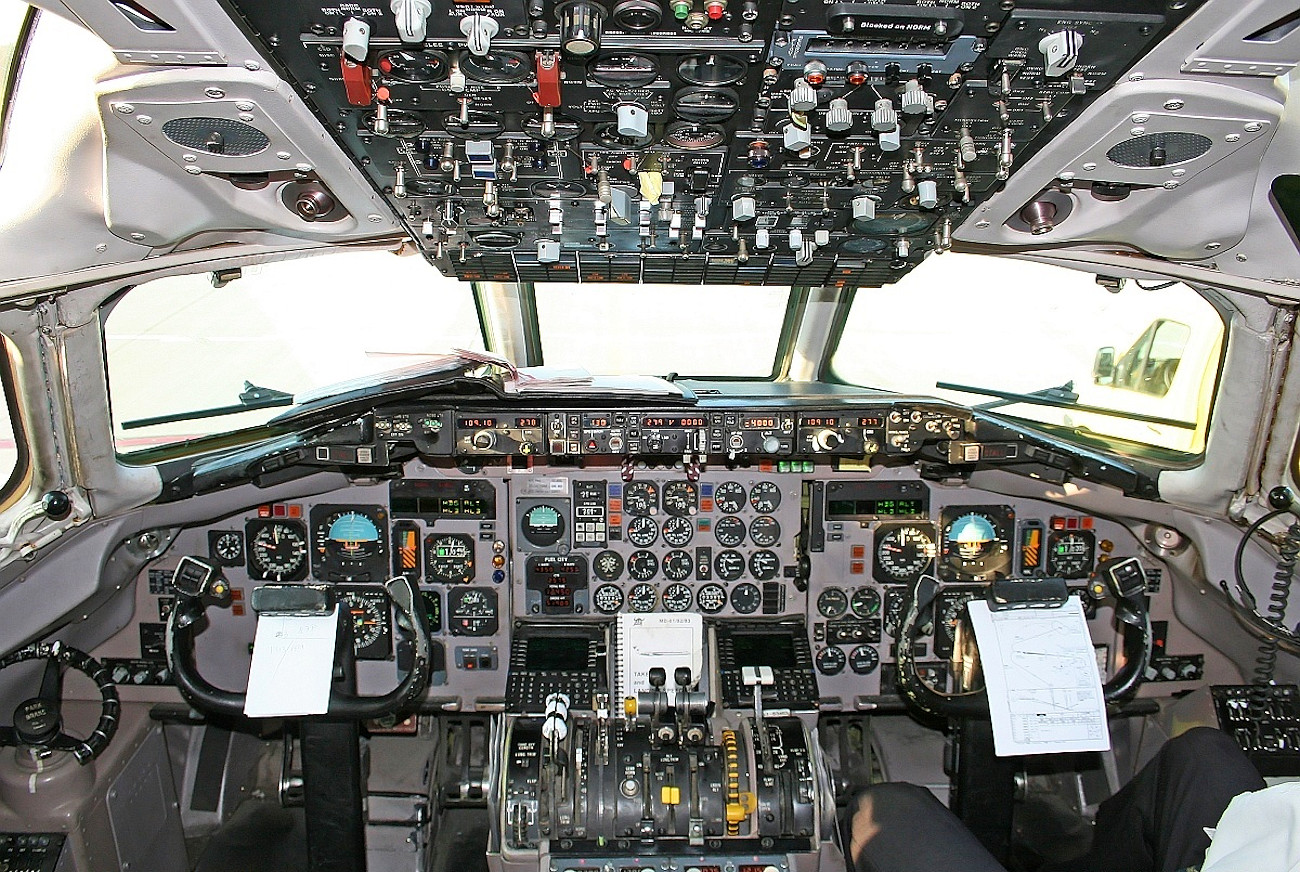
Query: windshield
x=1150, y=357
x=180, y=344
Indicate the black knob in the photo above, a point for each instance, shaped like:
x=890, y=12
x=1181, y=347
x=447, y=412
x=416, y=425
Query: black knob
x=580, y=24
x=36, y=721
x=57, y=504
x=1281, y=497
x=682, y=676
x=658, y=677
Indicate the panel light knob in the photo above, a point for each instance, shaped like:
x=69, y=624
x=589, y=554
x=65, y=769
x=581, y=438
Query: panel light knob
x=411, y=15
x=838, y=116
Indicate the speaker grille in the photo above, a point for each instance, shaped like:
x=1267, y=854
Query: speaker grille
x=216, y=136
x=1159, y=149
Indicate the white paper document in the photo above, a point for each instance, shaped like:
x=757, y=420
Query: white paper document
x=1043, y=686
x=649, y=640
x=293, y=661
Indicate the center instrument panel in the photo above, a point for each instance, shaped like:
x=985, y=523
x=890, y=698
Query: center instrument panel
x=532, y=533
x=716, y=141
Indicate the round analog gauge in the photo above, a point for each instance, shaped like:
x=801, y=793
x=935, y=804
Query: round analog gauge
x=729, y=565
x=642, y=565
x=681, y=498
x=277, y=551
x=678, y=531
x=623, y=70
x=607, y=136
x=497, y=67
x=864, y=659
x=893, y=616
x=765, y=531
x=642, y=531
x=563, y=128
x=729, y=497
x=1069, y=553
x=975, y=546
x=414, y=67
x=449, y=558
x=903, y=553
x=641, y=498
x=831, y=660
x=642, y=597
x=765, y=497
x=472, y=611
x=706, y=104
x=711, y=69
x=350, y=535
x=368, y=619
x=678, y=565
x=475, y=124
x=401, y=124
x=952, y=609
x=746, y=598
x=551, y=188
x=608, y=565
x=227, y=546
x=637, y=15
x=690, y=136
x=764, y=565
x=607, y=599
x=832, y=602
x=729, y=531
x=542, y=524
x=677, y=597
x=711, y=598
x=865, y=602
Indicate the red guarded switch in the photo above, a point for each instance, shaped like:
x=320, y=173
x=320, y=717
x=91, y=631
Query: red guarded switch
x=356, y=82
x=547, y=94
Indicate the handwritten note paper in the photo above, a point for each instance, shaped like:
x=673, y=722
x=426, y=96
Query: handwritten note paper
x=293, y=661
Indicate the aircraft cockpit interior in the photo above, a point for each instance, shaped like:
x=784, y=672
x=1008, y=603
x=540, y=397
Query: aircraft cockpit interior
x=631, y=435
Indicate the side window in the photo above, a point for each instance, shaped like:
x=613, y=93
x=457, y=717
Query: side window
x=16, y=23
x=1149, y=366
x=11, y=450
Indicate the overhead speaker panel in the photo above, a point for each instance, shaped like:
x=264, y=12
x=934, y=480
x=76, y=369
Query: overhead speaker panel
x=222, y=136
x=1159, y=149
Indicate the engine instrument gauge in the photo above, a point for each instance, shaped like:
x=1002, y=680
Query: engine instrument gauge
x=864, y=659
x=542, y=524
x=497, y=67
x=711, y=70
x=642, y=597
x=226, y=547
x=449, y=558
x=729, y=565
x=765, y=497
x=678, y=531
x=641, y=498
x=623, y=70
x=681, y=498
x=607, y=599
x=746, y=598
x=677, y=597
x=562, y=129
x=642, y=531
x=350, y=543
x=678, y=565
x=706, y=104
x=865, y=602
x=764, y=531
x=711, y=598
x=764, y=565
x=832, y=602
x=975, y=544
x=1070, y=553
x=729, y=497
x=277, y=550
x=949, y=610
x=608, y=565
x=642, y=565
x=414, y=67
x=904, y=552
x=401, y=124
x=831, y=660
x=729, y=531
x=472, y=611
x=690, y=136
x=371, y=615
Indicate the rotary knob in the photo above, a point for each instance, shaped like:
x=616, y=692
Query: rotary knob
x=803, y=98
x=483, y=439
x=580, y=25
x=827, y=440
x=864, y=208
x=479, y=30
x=884, y=118
x=838, y=116
x=927, y=193
x=915, y=100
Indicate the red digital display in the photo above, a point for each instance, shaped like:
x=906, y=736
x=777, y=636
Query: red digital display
x=528, y=422
x=673, y=422
x=476, y=423
x=873, y=423
x=758, y=423
x=821, y=422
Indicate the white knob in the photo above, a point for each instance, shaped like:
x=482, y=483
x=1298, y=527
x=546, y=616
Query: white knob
x=762, y=238
x=884, y=117
x=821, y=238
x=797, y=137
x=891, y=140
x=743, y=209
x=915, y=100
x=410, y=15
x=802, y=97
x=356, y=40
x=1060, y=51
x=796, y=239
x=479, y=30
x=633, y=120
x=927, y=193
x=864, y=208
x=838, y=117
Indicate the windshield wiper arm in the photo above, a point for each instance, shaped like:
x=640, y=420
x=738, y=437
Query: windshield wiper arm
x=252, y=397
x=1046, y=398
x=1063, y=392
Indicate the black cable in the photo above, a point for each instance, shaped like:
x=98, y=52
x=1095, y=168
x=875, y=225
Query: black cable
x=1159, y=287
x=1279, y=593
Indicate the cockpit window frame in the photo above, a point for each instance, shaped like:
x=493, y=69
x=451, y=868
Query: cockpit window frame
x=10, y=83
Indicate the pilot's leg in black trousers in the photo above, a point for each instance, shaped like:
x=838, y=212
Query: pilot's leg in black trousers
x=1156, y=822
x=897, y=827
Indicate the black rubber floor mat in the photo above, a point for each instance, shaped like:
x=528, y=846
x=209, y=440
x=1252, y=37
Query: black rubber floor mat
x=260, y=837
x=461, y=844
